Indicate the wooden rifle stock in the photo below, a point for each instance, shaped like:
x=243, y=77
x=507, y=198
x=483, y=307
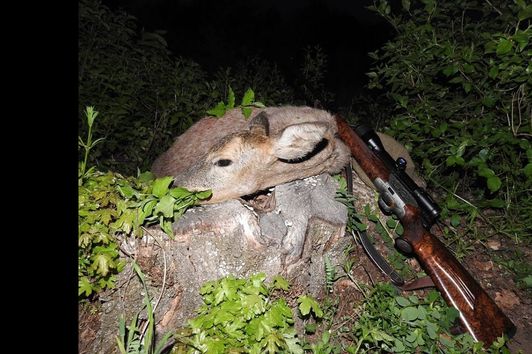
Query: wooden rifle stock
x=479, y=314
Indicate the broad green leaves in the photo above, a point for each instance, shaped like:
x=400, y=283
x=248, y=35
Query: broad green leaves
x=110, y=204
x=239, y=315
x=244, y=315
x=461, y=95
x=398, y=324
x=160, y=186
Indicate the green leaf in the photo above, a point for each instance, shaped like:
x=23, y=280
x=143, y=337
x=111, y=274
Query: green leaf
x=496, y=203
x=399, y=229
x=306, y=303
x=455, y=220
x=258, y=104
x=246, y=111
x=179, y=192
x=489, y=101
x=493, y=72
x=280, y=283
x=527, y=281
x=218, y=111
x=398, y=347
x=405, y=4
x=484, y=154
x=403, y=302
x=528, y=170
x=409, y=313
x=248, y=98
x=456, y=80
x=521, y=38
x=521, y=3
x=525, y=13
x=84, y=286
x=494, y=183
x=293, y=345
x=468, y=68
x=147, y=176
x=493, y=203
x=504, y=46
x=127, y=191
x=276, y=315
x=432, y=296
x=486, y=172
x=165, y=206
x=401, y=100
x=102, y=263
x=148, y=207
x=161, y=185
x=413, y=299
x=455, y=160
x=391, y=223
x=450, y=70
x=257, y=280
x=214, y=345
x=432, y=330
x=421, y=312
x=310, y=328
x=411, y=337
x=204, y=194
x=467, y=86
x=91, y=115
x=230, y=99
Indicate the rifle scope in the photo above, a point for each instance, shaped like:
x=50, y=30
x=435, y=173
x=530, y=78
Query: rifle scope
x=430, y=211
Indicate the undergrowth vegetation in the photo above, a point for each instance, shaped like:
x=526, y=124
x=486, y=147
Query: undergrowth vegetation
x=460, y=88
x=143, y=93
x=251, y=315
x=241, y=315
x=111, y=205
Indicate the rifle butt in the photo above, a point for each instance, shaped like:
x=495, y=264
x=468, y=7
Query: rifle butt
x=479, y=314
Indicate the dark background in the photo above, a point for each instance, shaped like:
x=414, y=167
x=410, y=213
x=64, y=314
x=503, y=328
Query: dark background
x=218, y=34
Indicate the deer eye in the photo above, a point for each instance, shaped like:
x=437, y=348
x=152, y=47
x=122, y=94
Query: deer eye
x=223, y=162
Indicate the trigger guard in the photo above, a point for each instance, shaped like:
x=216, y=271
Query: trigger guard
x=385, y=207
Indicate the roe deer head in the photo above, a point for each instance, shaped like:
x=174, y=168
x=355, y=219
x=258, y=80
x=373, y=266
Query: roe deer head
x=279, y=144
x=235, y=157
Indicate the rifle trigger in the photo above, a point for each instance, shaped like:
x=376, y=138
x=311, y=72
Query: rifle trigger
x=387, y=209
x=377, y=259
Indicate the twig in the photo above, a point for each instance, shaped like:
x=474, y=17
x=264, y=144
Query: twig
x=348, y=274
x=494, y=8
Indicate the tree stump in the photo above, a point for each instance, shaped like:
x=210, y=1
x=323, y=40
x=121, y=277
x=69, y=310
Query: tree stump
x=305, y=225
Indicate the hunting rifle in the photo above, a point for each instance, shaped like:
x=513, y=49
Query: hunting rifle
x=400, y=195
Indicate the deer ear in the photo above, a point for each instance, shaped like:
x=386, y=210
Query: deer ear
x=298, y=140
x=260, y=124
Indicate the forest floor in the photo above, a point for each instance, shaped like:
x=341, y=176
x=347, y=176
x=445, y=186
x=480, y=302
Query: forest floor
x=484, y=262
x=490, y=262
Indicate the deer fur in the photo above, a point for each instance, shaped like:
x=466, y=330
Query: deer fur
x=236, y=157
